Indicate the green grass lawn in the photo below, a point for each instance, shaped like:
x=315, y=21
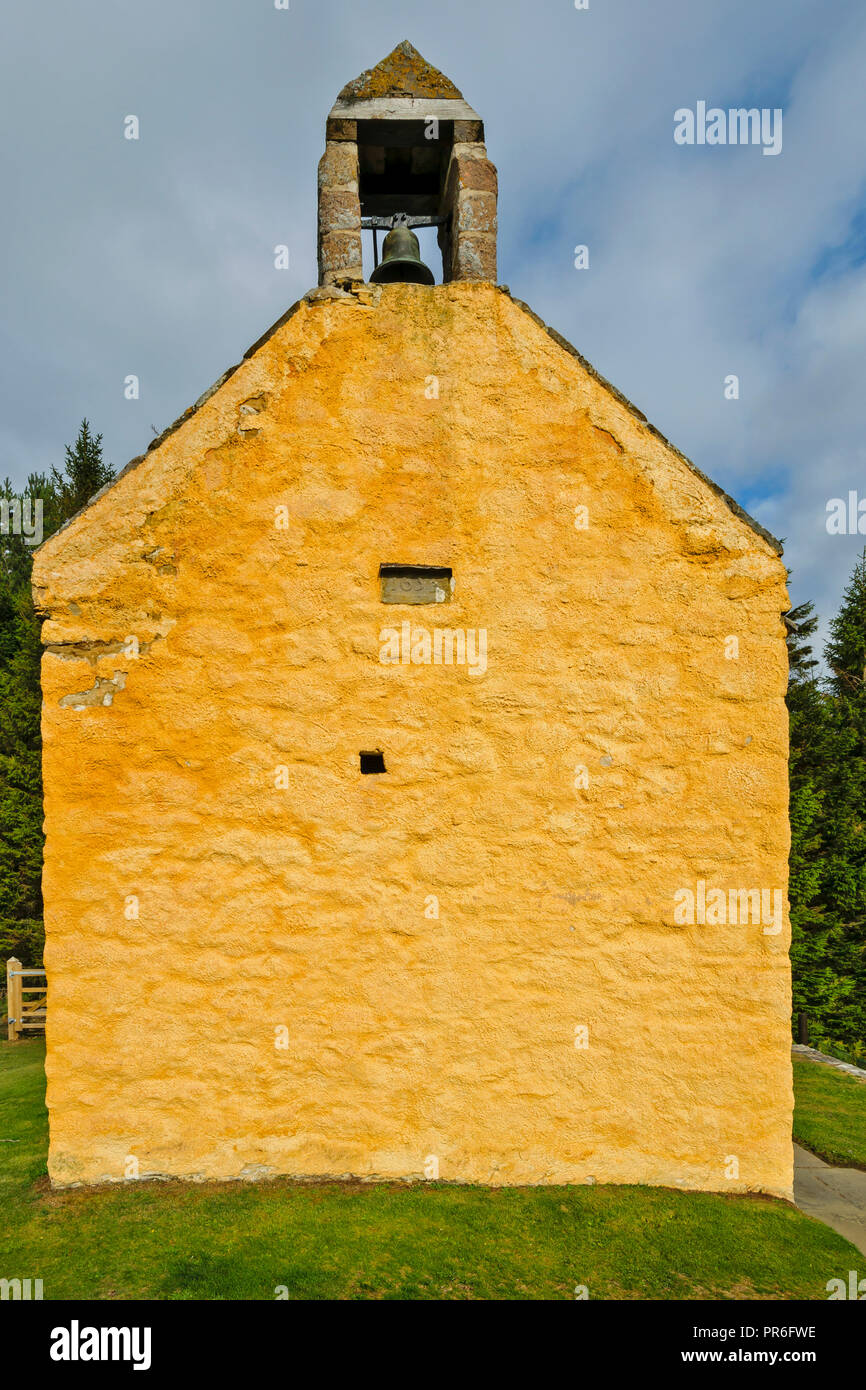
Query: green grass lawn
x=360, y=1241
x=830, y=1113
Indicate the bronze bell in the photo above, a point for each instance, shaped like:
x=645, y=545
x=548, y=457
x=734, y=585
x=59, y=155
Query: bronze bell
x=401, y=258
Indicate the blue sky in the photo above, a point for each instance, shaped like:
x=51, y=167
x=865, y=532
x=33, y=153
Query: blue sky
x=155, y=257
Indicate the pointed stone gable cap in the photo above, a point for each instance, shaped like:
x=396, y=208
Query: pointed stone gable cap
x=403, y=85
x=404, y=73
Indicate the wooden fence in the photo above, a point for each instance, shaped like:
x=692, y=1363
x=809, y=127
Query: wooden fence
x=24, y=1014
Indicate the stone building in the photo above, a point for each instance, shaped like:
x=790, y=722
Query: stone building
x=415, y=747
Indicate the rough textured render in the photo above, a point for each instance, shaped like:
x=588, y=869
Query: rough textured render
x=247, y=972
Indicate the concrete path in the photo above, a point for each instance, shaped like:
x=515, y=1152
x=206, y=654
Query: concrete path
x=836, y=1196
x=859, y=1073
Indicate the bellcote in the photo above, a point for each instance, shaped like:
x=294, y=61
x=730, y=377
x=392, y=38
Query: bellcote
x=400, y=139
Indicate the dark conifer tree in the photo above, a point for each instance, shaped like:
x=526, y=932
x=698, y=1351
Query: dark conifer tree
x=84, y=473
x=828, y=808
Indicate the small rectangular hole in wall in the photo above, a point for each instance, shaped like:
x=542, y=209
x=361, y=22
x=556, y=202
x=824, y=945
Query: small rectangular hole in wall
x=415, y=583
x=372, y=762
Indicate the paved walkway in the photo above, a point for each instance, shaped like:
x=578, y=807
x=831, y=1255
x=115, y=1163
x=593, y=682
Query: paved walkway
x=859, y=1073
x=836, y=1196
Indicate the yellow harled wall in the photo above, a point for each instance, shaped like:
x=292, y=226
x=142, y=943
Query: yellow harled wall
x=246, y=972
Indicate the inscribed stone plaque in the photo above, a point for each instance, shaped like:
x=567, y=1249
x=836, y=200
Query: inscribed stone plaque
x=415, y=584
